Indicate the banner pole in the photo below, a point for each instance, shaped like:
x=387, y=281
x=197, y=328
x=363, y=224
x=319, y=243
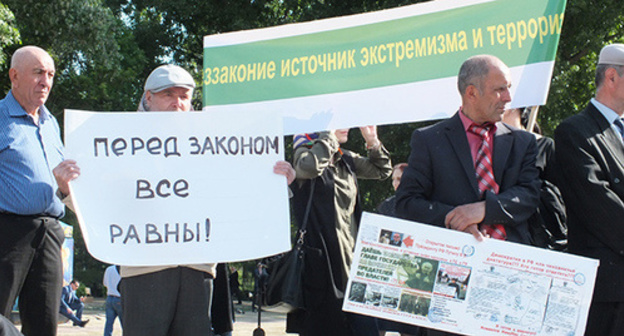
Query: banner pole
x=532, y=118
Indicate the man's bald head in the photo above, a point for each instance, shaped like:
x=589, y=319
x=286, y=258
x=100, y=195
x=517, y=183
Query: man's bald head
x=31, y=73
x=484, y=82
x=475, y=69
x=24, y=54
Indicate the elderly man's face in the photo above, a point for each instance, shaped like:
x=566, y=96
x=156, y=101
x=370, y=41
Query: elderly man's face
x=171, y=99
x=32, y=79
x=494, y=95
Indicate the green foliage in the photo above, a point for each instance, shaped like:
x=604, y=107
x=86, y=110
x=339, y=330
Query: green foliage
x=582, y=37
x=9, y=34
x=97, y=60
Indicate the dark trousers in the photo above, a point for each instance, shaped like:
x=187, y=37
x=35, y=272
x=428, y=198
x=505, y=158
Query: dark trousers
x=30, y=267
x=173, y=302
x=605, y=319
x=330, y=320
x=76, y=317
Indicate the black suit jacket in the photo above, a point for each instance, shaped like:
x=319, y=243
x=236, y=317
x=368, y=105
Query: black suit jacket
x=590, y=155
x=441, y=176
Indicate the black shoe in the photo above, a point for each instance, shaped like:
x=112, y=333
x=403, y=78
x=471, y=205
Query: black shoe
x=83, y=323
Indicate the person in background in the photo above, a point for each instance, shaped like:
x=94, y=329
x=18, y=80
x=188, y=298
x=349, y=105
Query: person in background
x=34, y=180
x=70, y=303
x=548, y=225
x=327, y=175
x=113, y=298
x=260, y=277
x=388, y=206
x=590, y=157
x=235, y=285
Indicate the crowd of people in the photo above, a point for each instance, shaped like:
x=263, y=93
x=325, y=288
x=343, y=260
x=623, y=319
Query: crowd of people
x=480, y=172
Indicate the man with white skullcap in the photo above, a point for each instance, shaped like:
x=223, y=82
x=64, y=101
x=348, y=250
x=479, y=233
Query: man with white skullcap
x=590, y=153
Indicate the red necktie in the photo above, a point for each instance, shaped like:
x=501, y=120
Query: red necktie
x=485, y=174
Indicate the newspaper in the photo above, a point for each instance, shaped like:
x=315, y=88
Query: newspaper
x=447, y=280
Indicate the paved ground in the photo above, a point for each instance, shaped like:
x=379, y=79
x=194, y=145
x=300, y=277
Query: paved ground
x=272, y=323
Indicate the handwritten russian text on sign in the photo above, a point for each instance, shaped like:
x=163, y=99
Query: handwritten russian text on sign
x=447, y=280
x=178, y=188
x=383, y=67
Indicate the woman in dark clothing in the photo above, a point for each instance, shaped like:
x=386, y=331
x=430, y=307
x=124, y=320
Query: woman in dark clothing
x=328, y=175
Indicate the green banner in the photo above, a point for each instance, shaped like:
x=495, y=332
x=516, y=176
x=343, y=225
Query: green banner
x=404, y=45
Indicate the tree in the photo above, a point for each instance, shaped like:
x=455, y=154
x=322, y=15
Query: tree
x=582, y=37
x=97, y=61
x=9, y=34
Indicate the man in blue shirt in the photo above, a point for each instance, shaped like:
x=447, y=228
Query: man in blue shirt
x=33, y=179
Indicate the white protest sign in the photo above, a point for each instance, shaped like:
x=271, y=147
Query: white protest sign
x=178, y=187
x=447, y=280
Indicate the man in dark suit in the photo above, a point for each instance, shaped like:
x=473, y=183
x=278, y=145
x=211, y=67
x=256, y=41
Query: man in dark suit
x=439, y=185
x=445, y=183
x=70, y=302
x=591, y=156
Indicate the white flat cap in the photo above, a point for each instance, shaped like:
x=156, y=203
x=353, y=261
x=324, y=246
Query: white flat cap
x=169, y=75
x=612, y=54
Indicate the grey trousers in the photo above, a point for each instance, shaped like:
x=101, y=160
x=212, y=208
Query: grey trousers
x=172, y=302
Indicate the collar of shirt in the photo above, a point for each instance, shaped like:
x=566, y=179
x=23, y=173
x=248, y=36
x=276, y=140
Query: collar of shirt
x=608, y=113
x=474, y=141
x=16, y=110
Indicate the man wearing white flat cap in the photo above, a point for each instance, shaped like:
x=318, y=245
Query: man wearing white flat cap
x=168, y=88
x=590, y=151
x=166, y=300
x=171, y=300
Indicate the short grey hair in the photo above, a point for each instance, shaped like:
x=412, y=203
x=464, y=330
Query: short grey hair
x=143, y=107
x=601, y=69
x=472, y=72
